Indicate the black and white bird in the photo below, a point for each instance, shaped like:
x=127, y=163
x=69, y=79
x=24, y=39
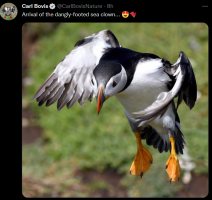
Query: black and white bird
x=8, y=11
x=143, y=83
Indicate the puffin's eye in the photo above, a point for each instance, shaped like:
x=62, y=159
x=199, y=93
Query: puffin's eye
x=114, y=84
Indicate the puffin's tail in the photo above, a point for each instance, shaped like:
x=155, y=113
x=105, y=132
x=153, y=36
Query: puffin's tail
x=154, y=139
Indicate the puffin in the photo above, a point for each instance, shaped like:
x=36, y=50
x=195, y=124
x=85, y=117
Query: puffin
x=145, y=85
x=8, y=11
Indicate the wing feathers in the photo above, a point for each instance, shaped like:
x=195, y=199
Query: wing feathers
x=47, y=91
x=55, y=97
x=52, y=93
x=71, y=79
x=189, y=86
x=45, y=84
x=66, y=96
x=87, y=86
x=151, y=116
x=184, y=87
x=74, y=99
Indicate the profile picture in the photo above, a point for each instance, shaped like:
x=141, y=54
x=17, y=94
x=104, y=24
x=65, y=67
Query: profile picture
x=8, y=11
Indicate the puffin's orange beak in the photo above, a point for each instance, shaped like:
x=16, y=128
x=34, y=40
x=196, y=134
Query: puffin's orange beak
x=100, y=99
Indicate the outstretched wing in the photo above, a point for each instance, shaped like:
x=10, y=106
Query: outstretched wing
x=184, y=88
x=71, y=80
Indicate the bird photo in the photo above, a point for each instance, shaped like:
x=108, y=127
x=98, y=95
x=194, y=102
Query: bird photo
x=9, y=11
x=144, y=84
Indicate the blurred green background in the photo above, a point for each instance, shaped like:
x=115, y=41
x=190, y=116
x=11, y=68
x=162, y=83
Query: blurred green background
x=78, y=139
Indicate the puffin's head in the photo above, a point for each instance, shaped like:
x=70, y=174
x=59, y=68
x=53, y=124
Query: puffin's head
x=110, y=78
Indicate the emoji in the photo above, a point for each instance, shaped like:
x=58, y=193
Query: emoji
x=133, y=14
x=125, y=14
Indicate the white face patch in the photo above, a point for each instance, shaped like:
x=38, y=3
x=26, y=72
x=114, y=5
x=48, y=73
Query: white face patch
x=116, y=83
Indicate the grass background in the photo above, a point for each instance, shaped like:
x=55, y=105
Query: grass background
x=77, y=139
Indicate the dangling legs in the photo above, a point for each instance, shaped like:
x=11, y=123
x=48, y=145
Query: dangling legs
x=143, y=158
x=172, y=164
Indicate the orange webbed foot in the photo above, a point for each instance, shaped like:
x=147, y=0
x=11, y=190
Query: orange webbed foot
x=173, y=168
x=172, y=164
x=143, y=159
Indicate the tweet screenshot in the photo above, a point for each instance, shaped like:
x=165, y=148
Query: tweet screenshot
x=114, y=98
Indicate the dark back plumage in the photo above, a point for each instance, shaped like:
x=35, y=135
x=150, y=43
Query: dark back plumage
x=128, y=59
